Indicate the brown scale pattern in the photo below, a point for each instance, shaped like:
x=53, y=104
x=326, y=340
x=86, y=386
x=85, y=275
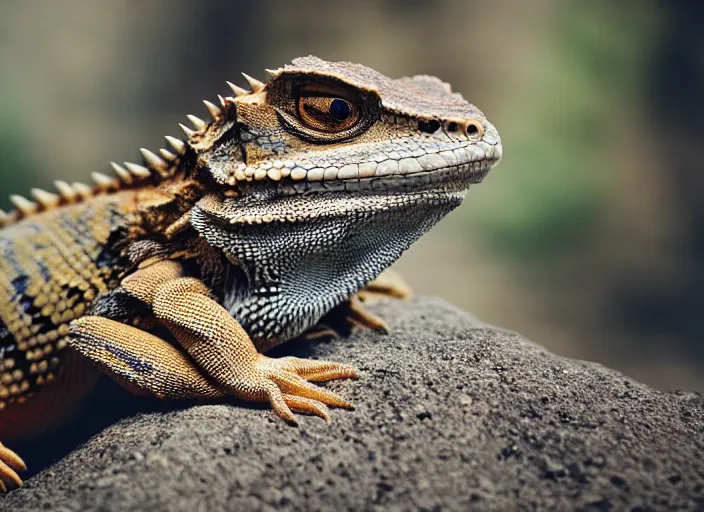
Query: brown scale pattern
x=52, y=266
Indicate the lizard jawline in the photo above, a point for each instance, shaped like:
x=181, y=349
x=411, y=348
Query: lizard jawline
x=313, y=252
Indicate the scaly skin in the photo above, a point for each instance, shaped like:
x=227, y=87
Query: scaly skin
x=290, y=203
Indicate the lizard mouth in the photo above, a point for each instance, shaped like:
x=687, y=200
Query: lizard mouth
x=310, y=207
x=459, y=166
x=305, y=196
x=461, y=175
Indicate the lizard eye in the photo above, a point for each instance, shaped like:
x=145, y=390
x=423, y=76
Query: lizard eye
x=327, y=114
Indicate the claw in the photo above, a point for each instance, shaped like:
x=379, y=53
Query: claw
x=278, y=404
x=9, y=476
x=289, y=376
x=321, y=331
x=10, y=464
x=308, y=406
x=358, y=315
x=387, y=284
x=11, y=459
x=291, y=383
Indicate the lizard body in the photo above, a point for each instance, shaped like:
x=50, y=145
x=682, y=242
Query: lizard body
x=175, y=276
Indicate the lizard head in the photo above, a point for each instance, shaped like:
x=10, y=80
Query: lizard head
x=324, y=176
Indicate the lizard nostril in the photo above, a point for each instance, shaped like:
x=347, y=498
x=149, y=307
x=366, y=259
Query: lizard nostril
x=430, y=126
x=474, y=129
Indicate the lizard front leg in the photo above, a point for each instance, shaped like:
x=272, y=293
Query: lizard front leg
x=223, y=351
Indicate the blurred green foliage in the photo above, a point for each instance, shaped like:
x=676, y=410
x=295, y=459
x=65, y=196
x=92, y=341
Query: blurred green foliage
x=558, y=145
x=17, y=162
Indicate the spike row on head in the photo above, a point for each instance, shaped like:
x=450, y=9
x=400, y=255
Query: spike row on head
x=189, y=133
x=153, y=160
x=177, y=144
x=213, y=110
x=255, y=84
x=197, y=122
x=138, y=170
x=237, y=90
x=167, y=155
x=71, y=192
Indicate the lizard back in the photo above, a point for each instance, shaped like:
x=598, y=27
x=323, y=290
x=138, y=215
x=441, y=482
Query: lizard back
x=52, y=266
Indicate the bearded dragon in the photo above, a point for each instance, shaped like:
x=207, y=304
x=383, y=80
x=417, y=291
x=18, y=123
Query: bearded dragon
x=175, y=276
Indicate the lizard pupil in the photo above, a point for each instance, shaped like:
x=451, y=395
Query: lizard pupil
x=339, y=110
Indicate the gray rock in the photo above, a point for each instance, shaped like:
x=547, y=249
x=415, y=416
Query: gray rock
x=451, y=414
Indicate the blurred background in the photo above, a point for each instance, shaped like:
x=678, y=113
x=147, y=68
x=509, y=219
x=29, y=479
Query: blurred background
x=588, y=238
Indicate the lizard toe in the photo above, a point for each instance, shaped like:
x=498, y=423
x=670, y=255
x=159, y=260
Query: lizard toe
x=317, y=371
x=284, y=404
x=292, y=384
x=11, y=459
x=286, y=386
x=9, y=479
x=10, y=465
x=308, y=406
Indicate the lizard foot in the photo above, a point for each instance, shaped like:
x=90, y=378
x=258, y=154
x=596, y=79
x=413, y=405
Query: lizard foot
x=357, y=314
x=387, y=284
x=286, y=385
x=354, y=313
x=10, y=465
x=283, y=382
x=319, y=331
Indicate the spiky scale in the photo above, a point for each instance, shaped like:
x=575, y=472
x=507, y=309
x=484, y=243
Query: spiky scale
x=213, y=110
x=122, y=173
x=82, y=189
x=153, y=160
x=44, y=198
x=24, y=205
x=138, y=170
x=197, y=122
x=66, y=191
x=239, y=91
x=104, y=182
x=271, y=72
x=167, y=155
x=178, y=145
x=4, y=217
x=255, y=84
x=187, y=130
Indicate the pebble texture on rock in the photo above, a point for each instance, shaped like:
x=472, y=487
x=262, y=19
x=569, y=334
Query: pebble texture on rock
x=452, y=414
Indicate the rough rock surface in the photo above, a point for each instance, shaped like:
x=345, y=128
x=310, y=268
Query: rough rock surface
x=451, y=414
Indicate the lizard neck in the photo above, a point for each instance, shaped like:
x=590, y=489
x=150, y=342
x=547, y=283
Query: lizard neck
x=289, y=271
